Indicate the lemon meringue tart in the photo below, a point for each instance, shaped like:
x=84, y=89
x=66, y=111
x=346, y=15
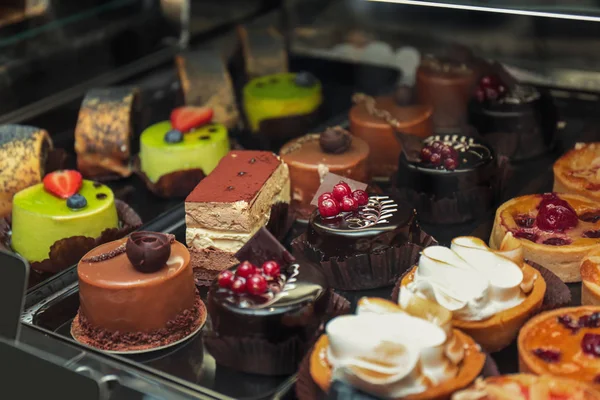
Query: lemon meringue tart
x=578, y=171
x=393, y=352
x=491, y=294
x=556, y=230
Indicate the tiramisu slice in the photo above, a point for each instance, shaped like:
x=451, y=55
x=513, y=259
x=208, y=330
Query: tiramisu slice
x=230, y=205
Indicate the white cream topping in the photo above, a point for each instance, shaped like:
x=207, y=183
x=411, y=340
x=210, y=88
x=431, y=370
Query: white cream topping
x=200, y=238
x=468, y=279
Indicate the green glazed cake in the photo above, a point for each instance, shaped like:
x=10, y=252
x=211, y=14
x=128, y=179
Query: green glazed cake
x=200, y=147
x=40, y=218
x=275, y=98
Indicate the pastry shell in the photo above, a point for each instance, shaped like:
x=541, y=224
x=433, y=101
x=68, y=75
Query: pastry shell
x=471, y=366
x=576, y=171
x=590, y=279
x=563, y=261
x=497, y=332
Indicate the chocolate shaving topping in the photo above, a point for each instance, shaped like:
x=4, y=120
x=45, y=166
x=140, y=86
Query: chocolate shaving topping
x=149, y=251
x=335, y=140
x=106, y=256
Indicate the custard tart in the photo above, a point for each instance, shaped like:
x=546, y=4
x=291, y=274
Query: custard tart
x=578, y=171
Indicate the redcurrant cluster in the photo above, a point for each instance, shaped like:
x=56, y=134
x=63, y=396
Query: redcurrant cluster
x=248, y=278
x=341, y=199
x=440, y=154
x=490, y=87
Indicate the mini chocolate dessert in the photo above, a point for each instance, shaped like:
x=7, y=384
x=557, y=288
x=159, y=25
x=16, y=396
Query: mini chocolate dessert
x=267, y=310
x=311, y=157
x=518, y=121
x=242, y=194
x=455, y=179
x=121, y=280
x=375, y=119
x=361, y=241
x=446, y=83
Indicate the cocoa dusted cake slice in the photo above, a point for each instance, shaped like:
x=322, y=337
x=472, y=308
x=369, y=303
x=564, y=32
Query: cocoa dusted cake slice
x=241, y=195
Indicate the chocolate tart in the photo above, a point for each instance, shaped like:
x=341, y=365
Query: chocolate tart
x=576, y=171
x=559, y=250
x=310, y=157
x=562, y=343
x=529, y=386
x=443, y=196
x=366, y=249
x=368, y=121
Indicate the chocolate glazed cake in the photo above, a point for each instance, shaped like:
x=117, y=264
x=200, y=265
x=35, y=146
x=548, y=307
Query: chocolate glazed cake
x=455, y=179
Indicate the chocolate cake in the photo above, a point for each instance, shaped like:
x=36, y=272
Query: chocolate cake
x=454, y=179
x=230, y=205
x=446, y=83
x=137, y=294
x=266, y=311
x=311, y=157
x=518, y=121
x=375, y=119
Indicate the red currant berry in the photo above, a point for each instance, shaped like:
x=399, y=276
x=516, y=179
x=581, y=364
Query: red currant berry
x=256, y=284
x=480, y=94
x=225, y=279
x=245, y=269
x=239, y=285
x=450, y=164
x=271, y=269
x=448, y=152
x=329, y=208
x=340, y=191
x=361, y=197
x=426, y=154
x=349, y=204
x=436, y=146
x=436, y=159
x=491, y=93
x=324, y=196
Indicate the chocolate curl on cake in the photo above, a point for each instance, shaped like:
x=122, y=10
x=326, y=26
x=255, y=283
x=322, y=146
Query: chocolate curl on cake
x=172, y=185
x=104, y=132
x=263, y=246
x=206, y=82
x=67, y=252
x=263, y=49
x=24, y=152
x=376, y=269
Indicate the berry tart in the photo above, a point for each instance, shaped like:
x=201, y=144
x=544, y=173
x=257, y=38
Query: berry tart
x=527, y=387
x=119, y=280
x=312, y=156
x=266, y=311
x=360, y=240
x=557, y=230
x=564, y=343
x=518, y=120
x=450, y=179
x=282, y=106
x=175, y=155
x=577, y=171
x=590, y=279
x=392, y=352
x=56, y=222
x=375, y=119
x=490, y=294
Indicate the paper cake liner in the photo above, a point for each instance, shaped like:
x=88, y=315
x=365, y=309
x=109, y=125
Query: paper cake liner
x=259, y=356
x=67, y=252
x=307, y=389
x=363, y=271
x=461, y=206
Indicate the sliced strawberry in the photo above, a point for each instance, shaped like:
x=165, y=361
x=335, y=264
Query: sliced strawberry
x=64, y=183
x=185, y=119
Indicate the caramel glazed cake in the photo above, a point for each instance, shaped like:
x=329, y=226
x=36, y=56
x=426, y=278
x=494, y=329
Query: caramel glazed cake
x=230, y=205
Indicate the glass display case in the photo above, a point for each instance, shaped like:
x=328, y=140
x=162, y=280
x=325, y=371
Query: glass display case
x=469, y=125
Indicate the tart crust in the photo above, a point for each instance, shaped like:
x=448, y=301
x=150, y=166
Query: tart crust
x=563, y=261
x=590, y=279
x=528, y=362
x=578, y=171
x=539, y=387
x=472, y=364
x=497, y=332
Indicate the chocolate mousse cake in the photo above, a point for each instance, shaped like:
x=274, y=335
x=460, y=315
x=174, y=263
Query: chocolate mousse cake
x=313, y=156
x=137, y=294
x=519, y=121
x=446, y=83
x=266, y=311
x=452, y=179
x=375, y=119
x=230, y=205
